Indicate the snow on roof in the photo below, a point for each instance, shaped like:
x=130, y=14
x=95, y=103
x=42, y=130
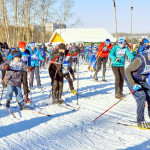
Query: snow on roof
x=84, y=35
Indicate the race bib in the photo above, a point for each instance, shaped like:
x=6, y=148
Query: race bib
x=33, y=57
x=105, y=49
x=24, y=58
x=16, y=66
x=121, y=52
x=65, y=71
x=94, y=52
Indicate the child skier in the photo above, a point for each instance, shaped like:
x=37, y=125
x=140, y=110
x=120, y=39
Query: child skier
x=14, y=68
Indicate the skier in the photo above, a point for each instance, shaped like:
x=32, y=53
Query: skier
x=35, y=56
x=55, y=72
x=102, y=54
x=66, y=69
x=117, y=54
x=43, y=53
x=93, y=59
x=13, y=78
x=136, y=74
x=144, y=46
x=27, y=60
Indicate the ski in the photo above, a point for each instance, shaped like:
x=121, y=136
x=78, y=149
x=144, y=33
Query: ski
x=32, y=111
x=132, y=126
x=10, y=112
x=67, y=107
x=83, y=96
x=72, y=106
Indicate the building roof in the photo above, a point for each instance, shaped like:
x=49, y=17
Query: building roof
x=81, y=35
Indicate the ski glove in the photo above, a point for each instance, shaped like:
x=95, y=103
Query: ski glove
x=136, y=87
x=118, y=59
x=6, y=67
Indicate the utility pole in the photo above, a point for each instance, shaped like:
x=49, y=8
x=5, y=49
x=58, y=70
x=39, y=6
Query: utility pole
x=131, y=20
x=115, y=19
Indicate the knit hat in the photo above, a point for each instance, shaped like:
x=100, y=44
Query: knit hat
x=13, y=49
x=16, y=53
x=62, y=46
x=22, y=44
x=107, y=41
x=146, y=41
x=32, y=44
x=65, y=64
x=121, y=41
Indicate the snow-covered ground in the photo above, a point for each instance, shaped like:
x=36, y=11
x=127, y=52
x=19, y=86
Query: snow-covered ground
x=74, y=130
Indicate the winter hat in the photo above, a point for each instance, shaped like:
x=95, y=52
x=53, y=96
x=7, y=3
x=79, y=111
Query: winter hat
x=65, y=64
x=121, y=41
x=42, y=44
x=107, y=41
x=95, y=46
x=146, y=41
x=32, y=44
x=13, y=49
x=22, y=44
x=16, y=53
x=62, y=46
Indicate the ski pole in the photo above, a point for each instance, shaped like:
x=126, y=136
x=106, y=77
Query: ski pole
x=111, y=63
x=111, y=107
x=78, y=84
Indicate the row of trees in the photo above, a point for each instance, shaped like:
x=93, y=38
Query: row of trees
x=24, y=20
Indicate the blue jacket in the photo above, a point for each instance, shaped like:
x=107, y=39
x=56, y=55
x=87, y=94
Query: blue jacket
x=143, y=49
x=25, y=57
x=42, y=52
x=118, y=52
x=35, y=57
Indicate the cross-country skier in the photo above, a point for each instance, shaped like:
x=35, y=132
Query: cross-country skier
x=66, y=69
x=26, y=59
x=35, y=57
x=93, y=59
x=136, y=75
x=102, y=54
x=55, y=72
x=117, y=54
x=13, y=77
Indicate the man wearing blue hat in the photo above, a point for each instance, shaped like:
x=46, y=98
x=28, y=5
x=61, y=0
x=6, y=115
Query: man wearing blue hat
x=144, y=47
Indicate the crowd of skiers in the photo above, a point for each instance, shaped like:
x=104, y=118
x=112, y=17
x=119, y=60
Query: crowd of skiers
x=62, y=62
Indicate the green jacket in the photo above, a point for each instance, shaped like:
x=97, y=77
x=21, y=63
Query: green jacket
x=118, y=52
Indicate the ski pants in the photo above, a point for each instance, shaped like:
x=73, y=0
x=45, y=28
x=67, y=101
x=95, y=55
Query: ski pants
x=119, y=79
x=93, y=61
x=37, y=75
x=100, y=61
x=18, y=93
x=68, y=78
x=141, y=96
x=57, y=84
x=25, y=82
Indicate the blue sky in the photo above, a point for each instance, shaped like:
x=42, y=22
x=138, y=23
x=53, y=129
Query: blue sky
x=100, y=13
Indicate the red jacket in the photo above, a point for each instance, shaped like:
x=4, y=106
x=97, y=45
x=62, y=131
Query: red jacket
x=103, y=50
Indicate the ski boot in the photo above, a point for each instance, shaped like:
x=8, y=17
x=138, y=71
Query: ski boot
x=103, y=79
x=95, y=77
x=143, y=124
x=7, y=103
x=60, y=101
x=122, y=95
x=55, y=101
x=117, y=96
x=73, y=92
x=27, y=99
x=89, y=68
x=22, y=107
